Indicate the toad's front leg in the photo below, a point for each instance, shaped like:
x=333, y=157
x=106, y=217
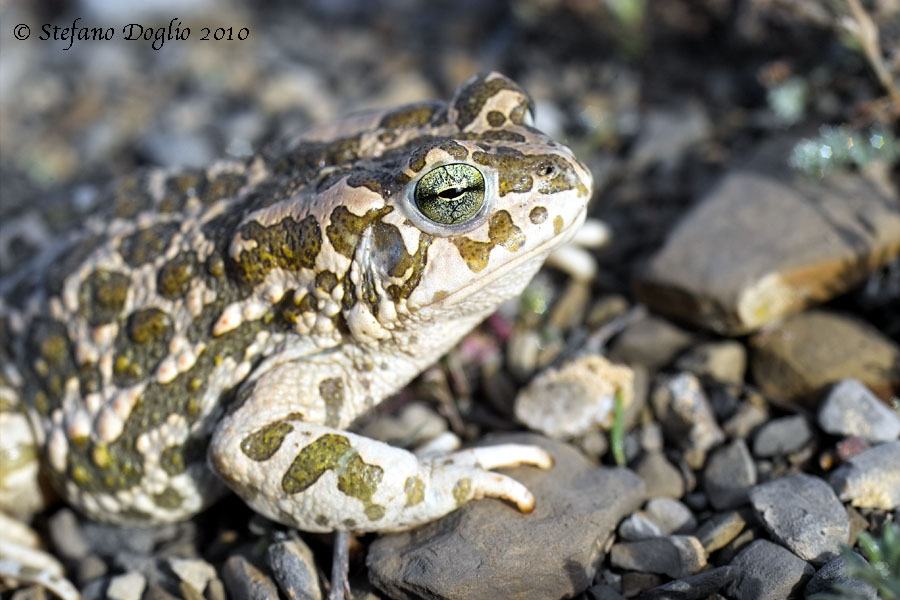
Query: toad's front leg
x=287, y=461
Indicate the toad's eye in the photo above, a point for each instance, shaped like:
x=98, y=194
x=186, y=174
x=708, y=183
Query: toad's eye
x=450, y=194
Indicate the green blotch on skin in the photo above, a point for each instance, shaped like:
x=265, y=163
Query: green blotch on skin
x=50, y=356
x=415, y=490
x=332, y=392
x=418, y=155
x=175, y=276
x=326, y=280
x=415, y=264
x=172, y=460
x=411, y=116
x=141, y=345
x=557, y=224
x=168, y=498
x=102, y=296
x=288, y=245
x=344, y=228
x=130, y=197
x=537, y=215
x=179, y=188
x=495, y=118
x=356, y=478
x=225, y=185
x=144, y=245
x=462, y=491
x=263, y=443
x=518, y=172
x=471, y=100
x=501, y=232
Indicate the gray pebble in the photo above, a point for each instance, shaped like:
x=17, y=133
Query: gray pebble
x=720, y=529
x=782, y=436
x=850, y=408
x=729, y=475
x=91, y=567
x=695, y=587
x=871, y=479
x=675, y=555
x=638, y=527
x=243, y=580
x=66, y=535
x=724, y=361
x=835, y=573
x=670, y=515
x=294, y=568
x=768, y=572
x=193, y=571
x=660, y=476
x=686, y=416
x=804, y=514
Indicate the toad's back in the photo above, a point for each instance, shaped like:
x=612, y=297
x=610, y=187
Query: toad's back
x=305, y=284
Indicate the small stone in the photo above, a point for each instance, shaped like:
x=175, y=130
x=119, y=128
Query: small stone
x=851, y=409
x=675, y=555
x=871, y=479
x=696, y=587
x=604, y=592
x=243, y=580
x=193, y=571
x=634, y=583
x=812, y=350
x=65, y=532
x=129, y=586
x=729, y=475
x=686, y=416
x=764, y=244
x=154, y=592
x=749, y=416
x=724, y=361
x=803, y=513
x=670, y=515
x=91, y=567
x=572, y=400
x=638, y=527
x=215, y=590
x=768, y=572
x=651, y=342
x=720, y=529
x=660, y=476
x=782, y=436
x=577, y=506
x=294, y=568
x=605, y=309
x=836, y=573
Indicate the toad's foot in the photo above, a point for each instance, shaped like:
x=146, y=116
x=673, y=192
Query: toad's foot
x=318, y=478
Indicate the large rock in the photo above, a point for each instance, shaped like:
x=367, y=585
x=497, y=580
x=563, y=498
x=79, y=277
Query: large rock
x=804, y=514
x=760, y=246
x=487, y=549
x=768, y=572
x=871, y=479
x=810, y=351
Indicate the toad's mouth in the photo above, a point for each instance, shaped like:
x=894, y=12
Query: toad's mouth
x=546, y=246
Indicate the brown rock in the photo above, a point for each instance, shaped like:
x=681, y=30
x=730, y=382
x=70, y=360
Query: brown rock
x=812, y=350
x=759, y=247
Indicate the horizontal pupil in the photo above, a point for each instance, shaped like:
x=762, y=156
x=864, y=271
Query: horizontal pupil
x=452, y=192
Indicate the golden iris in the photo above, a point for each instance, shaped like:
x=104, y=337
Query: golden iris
x=450, y=194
